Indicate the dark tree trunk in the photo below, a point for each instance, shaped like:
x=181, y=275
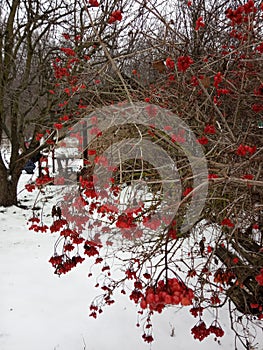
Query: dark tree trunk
x=251, y=292
x=8, y=188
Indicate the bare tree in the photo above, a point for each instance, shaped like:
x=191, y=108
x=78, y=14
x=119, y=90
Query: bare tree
x=29, y=31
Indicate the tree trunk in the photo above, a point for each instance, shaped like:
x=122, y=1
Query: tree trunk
x=8, y=189
x=251, y=292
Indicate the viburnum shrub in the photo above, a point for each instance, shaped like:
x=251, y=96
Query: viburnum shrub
x=112, y=213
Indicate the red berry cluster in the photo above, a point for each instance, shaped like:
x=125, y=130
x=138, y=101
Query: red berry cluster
x=218, y=331
x=94, y=3
x=115, y=16
x=217, y=79
x=200, y=331
x=170, y=63
x=147, y=338
x=171, y=292
x=125, y=221
x=224, y=276
x=30, y=187
x=91, y=248
x=44, y=180
x=64, y=264
x=105, y=300
x=37, y=226
x=57, y=225
x=243, y=150
x=240, y=15
x=199, y=23
x=210, y=129
x=94, y=309
x=227, y=222
x=183, y=63
x=197, y=311
x=136, y=295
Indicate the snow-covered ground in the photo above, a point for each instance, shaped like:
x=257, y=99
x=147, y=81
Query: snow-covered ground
x=40, y=311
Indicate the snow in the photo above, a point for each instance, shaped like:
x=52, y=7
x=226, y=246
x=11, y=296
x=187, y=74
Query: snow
x=40, y=311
